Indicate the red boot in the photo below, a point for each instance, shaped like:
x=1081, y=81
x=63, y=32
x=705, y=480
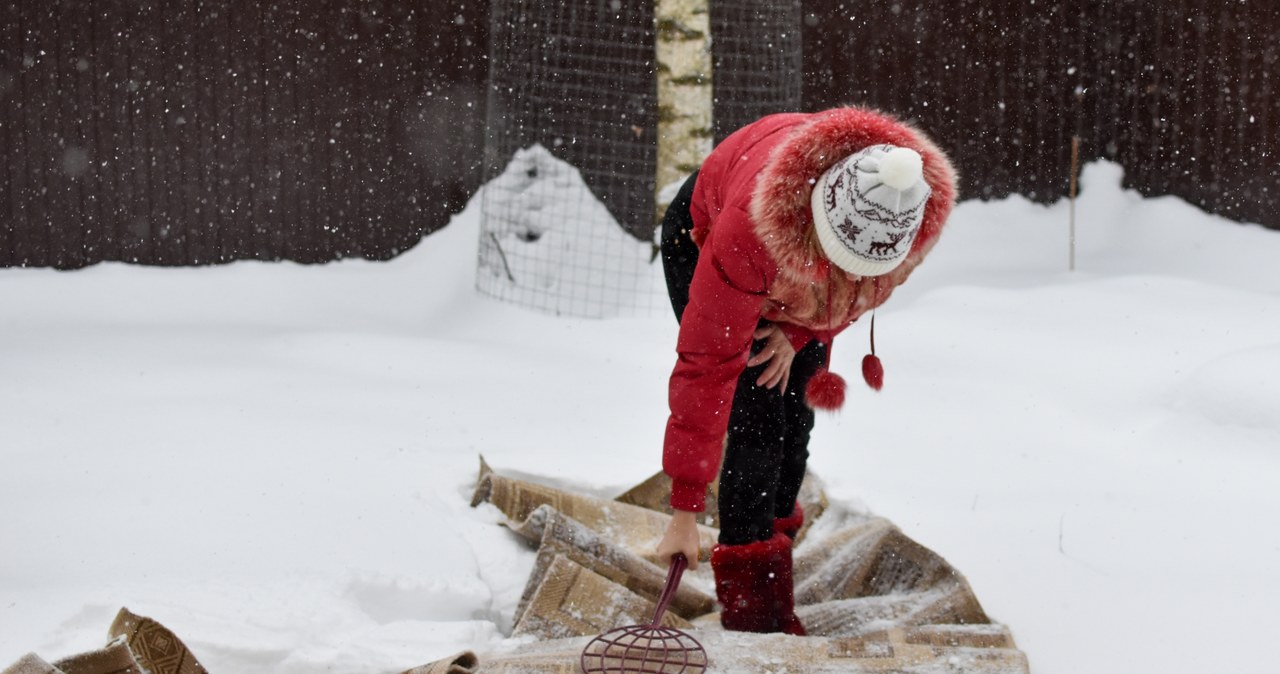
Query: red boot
x=790, y=525
x=755, y=587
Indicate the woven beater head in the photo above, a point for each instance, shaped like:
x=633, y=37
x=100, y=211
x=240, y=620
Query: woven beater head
x=648, y=649
x=642, y=649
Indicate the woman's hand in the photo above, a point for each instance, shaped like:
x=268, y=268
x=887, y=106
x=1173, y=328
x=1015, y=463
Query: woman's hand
x=681, y=536
x=778, y=352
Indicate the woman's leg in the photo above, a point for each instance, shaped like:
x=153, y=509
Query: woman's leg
x=752, y=563
x=765, y=455
x=679, y=254
x=799, y=420
x=767, y=450
x=752, y=460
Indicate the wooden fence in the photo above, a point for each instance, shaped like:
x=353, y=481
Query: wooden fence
x=1182, y=93
x=206, y=131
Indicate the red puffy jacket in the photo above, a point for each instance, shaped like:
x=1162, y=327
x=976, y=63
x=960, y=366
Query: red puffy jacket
x=760, y=259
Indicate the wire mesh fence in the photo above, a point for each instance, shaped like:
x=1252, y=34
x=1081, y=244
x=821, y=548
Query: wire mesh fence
x=756, y=60
x=567, y=210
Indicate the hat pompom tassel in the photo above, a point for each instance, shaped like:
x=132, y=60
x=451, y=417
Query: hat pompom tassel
x=825, y=391
x=872, y=369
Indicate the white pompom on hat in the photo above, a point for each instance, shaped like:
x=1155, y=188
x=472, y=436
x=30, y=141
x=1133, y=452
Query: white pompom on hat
x=867, y=208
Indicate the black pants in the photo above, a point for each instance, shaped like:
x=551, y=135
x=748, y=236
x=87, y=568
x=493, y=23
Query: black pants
x=768, y=443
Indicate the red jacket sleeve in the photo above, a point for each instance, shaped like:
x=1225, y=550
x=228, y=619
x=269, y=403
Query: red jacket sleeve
x=725, y=300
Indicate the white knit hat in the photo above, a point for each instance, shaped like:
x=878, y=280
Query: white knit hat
x=867, y=208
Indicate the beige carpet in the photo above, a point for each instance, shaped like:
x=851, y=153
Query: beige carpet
x=137, y=645
x=872, y=599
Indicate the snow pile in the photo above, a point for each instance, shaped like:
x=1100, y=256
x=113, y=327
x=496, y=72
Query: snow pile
x=548, y=243
x=275, y=460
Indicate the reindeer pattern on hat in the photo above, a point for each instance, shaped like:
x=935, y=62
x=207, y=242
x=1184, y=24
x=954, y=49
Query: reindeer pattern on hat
x=885, y=225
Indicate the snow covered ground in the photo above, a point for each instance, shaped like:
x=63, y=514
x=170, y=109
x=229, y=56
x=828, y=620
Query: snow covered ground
x=275, y=460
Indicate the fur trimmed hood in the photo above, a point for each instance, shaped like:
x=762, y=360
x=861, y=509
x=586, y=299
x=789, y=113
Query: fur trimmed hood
x=783, y=222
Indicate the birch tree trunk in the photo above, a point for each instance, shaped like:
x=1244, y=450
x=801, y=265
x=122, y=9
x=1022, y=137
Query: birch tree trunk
x=683, y=57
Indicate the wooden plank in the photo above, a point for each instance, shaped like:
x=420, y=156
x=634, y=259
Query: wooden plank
x=173, y=41
x=1135, y=148
x=312, y=140
x=210, y=72
x=1267, y=121
x=40, y=83
x=206, y=72
x=59, y=195
x=126, y=211
x=354, y=177
x=161, y=247
x=391, y=89
x=308, y=139
x=139, y=228
x=1020, y=102
x=1192, y=120
x=974, y=116
x=1264, y=113
x=269, y=205
x=27, y=248
x=879, y=56
x=343, y=170
x=252, y=135
x=1087, y=51
x=238, y=171
x=426, y=45
x=351, y=170
x=75, y=217
x=392, y=218
x=93, y=93
x=1170, y=64
x=1147, y=115
x=1222, y=100
x=1034, y=103
x=15, y=188
x=375, y=87
x=183, y=138
x=1268, y=110
x=168, y=39
x=289, y=50
x=333, y=209
x=89, y=70
x=1247, y=84
x=403, y=217
x=143, y=228
x=311, y=105
x=221, y=137
x=1004, y=175
x=1103, y=90
x=1063, y=72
